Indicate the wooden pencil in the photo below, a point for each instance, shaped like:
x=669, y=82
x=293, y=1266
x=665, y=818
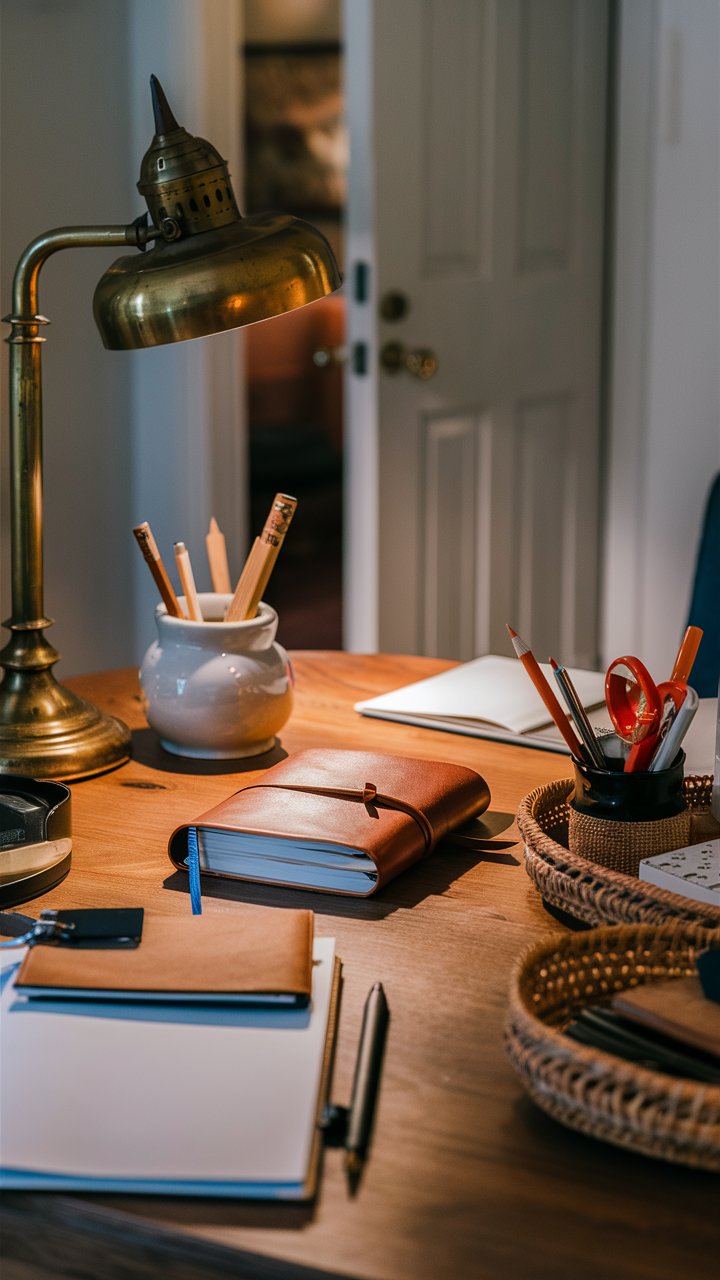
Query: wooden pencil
x=557, y=714
x=261, y=561
x=148, y=546
x=217, y=559
x=187, y=579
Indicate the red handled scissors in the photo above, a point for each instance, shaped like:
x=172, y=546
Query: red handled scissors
x=637, y=707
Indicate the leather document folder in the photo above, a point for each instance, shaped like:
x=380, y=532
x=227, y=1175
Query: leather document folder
x=254, y=955
x=340, y=821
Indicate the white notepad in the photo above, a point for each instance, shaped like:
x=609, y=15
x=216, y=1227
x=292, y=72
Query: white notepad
x=693, y=872
x=174, y=1101
x=493, y=697
x=489, y=697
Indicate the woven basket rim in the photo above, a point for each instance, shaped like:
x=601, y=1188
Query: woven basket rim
x=606, y=877
x=568, y=943
x=593, y=1091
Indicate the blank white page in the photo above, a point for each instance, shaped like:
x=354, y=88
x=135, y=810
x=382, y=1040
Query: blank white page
x=200, y=1100
x=496, y=690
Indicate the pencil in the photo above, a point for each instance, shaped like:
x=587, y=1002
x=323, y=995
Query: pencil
x=687, y=654
x=261, y=561
x=217, y=559
x=556, y=712
x=148, y=546
x=188, y=582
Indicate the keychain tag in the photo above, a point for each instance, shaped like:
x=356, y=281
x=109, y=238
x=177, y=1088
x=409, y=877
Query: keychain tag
x=106, y=928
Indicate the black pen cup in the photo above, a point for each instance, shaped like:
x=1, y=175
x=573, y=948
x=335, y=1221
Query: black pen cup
x=616, y=819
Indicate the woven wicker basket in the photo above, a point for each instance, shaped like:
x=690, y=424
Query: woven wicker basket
x=589, y=892
x=597, y=1093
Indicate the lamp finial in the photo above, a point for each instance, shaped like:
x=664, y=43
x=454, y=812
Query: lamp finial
x=165, y=121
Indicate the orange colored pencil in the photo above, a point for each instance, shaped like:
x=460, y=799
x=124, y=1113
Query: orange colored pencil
x=557, y=714
x=687, y=654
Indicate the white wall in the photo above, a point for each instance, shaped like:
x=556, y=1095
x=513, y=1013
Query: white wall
x=128, y=436
x=665, y=407
x=64, y=150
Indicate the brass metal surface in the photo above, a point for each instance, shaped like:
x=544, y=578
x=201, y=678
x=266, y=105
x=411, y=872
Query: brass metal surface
x=216, y=280
x=211, y=270
x=421, y=363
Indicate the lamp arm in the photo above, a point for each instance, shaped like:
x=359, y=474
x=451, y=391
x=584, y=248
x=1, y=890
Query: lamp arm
x=138, y=233
x=25, y=415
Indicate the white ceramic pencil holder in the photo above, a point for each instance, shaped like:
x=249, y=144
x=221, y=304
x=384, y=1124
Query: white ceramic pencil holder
x=216, y=690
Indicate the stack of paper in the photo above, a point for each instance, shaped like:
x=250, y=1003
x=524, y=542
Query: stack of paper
x=176, y=1100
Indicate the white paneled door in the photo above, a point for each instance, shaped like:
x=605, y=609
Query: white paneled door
x=475, y=242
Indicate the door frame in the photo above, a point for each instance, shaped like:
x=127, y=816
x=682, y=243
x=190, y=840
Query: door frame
x=629, y=309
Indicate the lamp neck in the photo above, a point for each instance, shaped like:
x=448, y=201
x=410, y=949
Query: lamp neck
x=25, y=417
x=25, y=282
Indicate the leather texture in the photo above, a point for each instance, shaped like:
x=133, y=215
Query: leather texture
x=254, y=951
x=392, y=809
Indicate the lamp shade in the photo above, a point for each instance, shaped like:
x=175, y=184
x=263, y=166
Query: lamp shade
x=210, y=269
x=255, y=268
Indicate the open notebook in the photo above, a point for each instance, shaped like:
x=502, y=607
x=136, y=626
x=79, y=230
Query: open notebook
x=211, y=1101
x=489, y=697
x=493, y=697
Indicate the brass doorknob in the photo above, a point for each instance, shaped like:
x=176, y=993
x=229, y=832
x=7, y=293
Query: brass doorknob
x=325, y=356
x=421, y=363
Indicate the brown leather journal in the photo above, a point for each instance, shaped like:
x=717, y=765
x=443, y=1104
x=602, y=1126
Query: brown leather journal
x=339, y=821
x=254, y=954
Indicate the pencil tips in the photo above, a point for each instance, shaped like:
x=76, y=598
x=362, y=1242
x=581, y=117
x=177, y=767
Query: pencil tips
x=512, y=634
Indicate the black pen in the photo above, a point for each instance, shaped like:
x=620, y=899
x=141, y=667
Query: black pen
x=577, y=711
x=367, y=1077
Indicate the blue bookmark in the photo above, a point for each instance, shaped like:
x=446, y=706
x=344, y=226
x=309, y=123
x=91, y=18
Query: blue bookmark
x=193, y=862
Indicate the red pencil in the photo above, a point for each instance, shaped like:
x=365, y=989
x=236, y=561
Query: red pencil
x=556, y=712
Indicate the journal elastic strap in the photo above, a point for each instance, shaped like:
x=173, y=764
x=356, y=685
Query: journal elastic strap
x=367, y=795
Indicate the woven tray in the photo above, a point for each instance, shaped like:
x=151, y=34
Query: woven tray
x=591, y=893
x=597, y=1093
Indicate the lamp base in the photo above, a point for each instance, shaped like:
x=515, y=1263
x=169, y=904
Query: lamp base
x=48, y=732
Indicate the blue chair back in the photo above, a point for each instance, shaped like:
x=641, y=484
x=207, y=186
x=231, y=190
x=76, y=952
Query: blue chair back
x=705, y=603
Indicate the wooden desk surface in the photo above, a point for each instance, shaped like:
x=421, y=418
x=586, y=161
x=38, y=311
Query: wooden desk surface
x=466, y=1178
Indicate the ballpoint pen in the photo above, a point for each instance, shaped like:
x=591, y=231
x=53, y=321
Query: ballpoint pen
x=577, y=711
x=672, y=741
x=366, y=1080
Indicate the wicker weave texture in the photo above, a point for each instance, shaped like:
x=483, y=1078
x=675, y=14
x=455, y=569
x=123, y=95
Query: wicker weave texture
x=593, y=893
x=597, y=1093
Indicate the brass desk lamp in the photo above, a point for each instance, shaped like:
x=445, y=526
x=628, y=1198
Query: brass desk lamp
x=209, y=270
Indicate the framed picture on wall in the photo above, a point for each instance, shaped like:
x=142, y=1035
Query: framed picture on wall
x=296, y=149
